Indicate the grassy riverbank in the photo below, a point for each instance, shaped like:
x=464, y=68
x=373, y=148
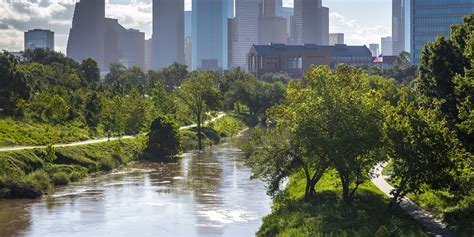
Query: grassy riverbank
x=26, y=173
x=42, y=169
x=327, y=215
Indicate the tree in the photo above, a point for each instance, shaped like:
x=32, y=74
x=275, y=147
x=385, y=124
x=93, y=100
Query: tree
x=446, y=74
x=89, y=71
x=195, y=93
x=173, y=75
x=425, y=153
x=13, y=84
x=164, y=141
x=48, y=57
x=330, y=120
x=257, y=95
x=92, y=110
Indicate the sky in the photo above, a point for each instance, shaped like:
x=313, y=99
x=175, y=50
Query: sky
x=362, y=21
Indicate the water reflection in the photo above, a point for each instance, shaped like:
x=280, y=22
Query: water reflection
x=207, y=194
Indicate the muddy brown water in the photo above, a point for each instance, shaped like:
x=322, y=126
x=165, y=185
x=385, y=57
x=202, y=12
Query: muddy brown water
x=204, y=194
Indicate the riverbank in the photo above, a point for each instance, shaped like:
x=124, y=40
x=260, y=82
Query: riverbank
x=29, y=172
x=327, y=215
x=456, y=211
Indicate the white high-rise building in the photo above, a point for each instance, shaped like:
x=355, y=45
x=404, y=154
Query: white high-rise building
x=386, y=46
x=246, y=30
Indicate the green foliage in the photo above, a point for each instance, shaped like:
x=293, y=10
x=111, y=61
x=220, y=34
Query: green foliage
x=89, y=71
x=50, y=154
x=38, y=179
x=198, y=94
x=164, y=140
x=326, y=215
x=228, y=126
x=329, y=119
x=446, y=74
x=60, y=178
x=13, y=85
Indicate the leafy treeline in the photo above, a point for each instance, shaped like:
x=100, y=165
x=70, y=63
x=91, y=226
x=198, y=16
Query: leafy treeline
x=48, y=88
x=348, y=121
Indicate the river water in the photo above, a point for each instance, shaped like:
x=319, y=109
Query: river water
x=207, y=194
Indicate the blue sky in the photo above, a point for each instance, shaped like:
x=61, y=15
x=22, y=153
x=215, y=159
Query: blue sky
x=362, y=21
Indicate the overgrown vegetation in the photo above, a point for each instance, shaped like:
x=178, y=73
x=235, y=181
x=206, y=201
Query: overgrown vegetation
x=327, y=215
x=36, y=171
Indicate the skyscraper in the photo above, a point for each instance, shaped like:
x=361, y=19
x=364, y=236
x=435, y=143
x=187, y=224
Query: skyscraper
x=125, y=46
x=271, y=28
x=168, y=32
x=148, y=54
x=287, y=13
x=246, y=30
x=336, y=38
x=432, y=18
x=386, y=46
x=374, y=49
x=210, y=34
x=86, y=37
x=311, y=22
x=38, y=38
x=398, y=26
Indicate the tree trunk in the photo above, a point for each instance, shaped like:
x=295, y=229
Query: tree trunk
x=345, y=191
x=199, y=135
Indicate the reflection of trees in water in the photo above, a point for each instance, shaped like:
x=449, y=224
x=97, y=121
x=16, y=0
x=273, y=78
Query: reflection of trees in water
x=15, y=217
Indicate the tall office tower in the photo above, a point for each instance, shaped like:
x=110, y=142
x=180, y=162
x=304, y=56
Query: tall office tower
x=168, y=32
x=386, y=46
x=86, y=37
x=38, y=38
x=432, y=18
x=188, y=52
x=271, y=28
x=188, y=24
x=230, y=39
x=374, y=49
x=311, y=22
x=148, y=54
x=246, y=30
x=287, y=13
x=336, y=38
x=126, y=46
x=210, y=34
x=398, y=26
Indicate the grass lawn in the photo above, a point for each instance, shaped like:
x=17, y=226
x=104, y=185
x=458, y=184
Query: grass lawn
x=327, y=215
x=16, y=133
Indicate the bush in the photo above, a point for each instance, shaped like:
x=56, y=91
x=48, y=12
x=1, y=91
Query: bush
x=75, y=176
x=106, y=164
x=60, y=178
x=228, y=126
x=39, y=180
x=164, y=140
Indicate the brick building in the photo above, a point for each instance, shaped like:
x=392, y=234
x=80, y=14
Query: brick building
x=296, y=59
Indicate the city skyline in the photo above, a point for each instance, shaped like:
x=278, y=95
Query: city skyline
x=57, y=16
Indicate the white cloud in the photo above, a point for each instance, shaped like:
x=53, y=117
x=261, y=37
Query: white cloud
x=354, y=33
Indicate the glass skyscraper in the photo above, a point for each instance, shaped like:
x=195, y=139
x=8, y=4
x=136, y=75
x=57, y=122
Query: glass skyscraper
x=210, y=45
x=430, y=18
x=38, y=38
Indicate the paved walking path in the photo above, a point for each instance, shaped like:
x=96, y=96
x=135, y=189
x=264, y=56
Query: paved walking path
x=94, y=141
x=435, y=226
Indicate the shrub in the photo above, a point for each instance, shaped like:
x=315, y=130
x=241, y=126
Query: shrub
x=75, y=176
x=38, y=179
x=106, y=164
x=60, y=178
x=164, y=140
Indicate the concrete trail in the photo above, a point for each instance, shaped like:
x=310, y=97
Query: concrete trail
x=427, y=219
x=94, y=141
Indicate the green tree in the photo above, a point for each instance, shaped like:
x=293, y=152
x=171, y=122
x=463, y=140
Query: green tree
x=164, y=141
x=424, y=151
x=89, y=71
x=195, y=93
x=13, y=84
x=92, y=110
x=446, y=75
x=173, y=75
